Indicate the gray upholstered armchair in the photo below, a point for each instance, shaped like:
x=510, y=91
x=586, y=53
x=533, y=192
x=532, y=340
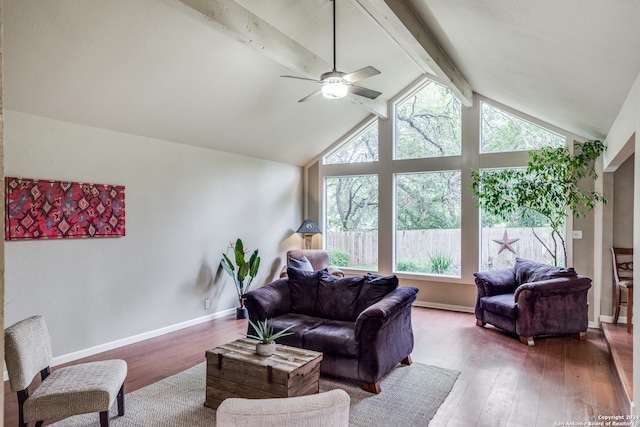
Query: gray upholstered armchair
x=533, y=299
x=311, y=260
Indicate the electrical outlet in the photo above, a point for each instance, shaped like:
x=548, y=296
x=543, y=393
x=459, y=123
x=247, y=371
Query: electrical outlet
x=207, y=304
x=577, y=234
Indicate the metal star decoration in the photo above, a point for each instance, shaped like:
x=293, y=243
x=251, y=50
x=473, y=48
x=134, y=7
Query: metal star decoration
x=505, y=243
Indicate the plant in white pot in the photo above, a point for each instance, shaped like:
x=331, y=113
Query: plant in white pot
x=266, y=337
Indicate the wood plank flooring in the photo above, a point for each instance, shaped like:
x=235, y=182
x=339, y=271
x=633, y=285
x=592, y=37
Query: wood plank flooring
x=502, y=382
x=621, y=349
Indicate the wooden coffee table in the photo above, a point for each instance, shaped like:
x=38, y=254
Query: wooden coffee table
x=235, y=370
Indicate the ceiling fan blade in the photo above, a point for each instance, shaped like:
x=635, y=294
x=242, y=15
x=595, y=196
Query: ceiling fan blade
x=361, y=74
x=363, y=91
x=302, y=78
x=308, y=97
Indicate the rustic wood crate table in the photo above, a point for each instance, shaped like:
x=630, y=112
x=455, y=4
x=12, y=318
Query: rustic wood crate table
x=235, y=370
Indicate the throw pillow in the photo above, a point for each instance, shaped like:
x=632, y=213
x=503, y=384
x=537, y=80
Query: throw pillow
x=375, y=287
x=497, y=282
x=528, y=271
x=304, y=289
x=337, y=297
x=301, y=264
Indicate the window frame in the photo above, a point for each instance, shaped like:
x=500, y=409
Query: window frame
x=387, y=166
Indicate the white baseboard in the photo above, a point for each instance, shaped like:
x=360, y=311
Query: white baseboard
x=70, y=357
x=595, y=325
x=465, y=309
x=439, y=306
x=609, y=319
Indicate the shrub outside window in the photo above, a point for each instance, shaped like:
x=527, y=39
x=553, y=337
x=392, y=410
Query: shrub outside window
x=351, y=218
x=428, y=220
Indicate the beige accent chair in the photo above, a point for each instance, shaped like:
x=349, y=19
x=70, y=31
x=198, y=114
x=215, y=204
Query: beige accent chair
x=78, y=389
x=328, y=409
x=318, y=258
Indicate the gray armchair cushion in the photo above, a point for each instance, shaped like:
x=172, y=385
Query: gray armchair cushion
x=301, y=264
x=337, y=297
x=528, y=271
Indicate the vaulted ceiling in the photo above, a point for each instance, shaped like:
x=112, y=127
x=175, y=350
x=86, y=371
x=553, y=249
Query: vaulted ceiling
x=207, y=72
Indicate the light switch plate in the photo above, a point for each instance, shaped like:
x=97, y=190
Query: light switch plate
x=577, y=234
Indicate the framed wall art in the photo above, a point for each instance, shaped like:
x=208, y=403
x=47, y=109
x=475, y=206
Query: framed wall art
x=41, y=209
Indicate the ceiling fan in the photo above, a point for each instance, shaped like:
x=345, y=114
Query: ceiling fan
x=336, y=84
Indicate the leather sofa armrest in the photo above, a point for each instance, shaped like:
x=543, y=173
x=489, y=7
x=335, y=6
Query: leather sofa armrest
x=334, y=271
x=384, y=334
x=554, y=306
x=551, y=287
x=388, y=308
x=269, y=301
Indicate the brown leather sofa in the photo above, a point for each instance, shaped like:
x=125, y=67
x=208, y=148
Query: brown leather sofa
x=362, y=325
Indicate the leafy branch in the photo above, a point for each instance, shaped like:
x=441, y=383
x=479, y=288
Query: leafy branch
x=549, y=187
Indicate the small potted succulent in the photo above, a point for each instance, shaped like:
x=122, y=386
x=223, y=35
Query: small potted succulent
x=267, y=337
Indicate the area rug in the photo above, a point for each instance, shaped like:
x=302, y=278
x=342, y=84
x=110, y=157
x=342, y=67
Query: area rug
x=410, y=396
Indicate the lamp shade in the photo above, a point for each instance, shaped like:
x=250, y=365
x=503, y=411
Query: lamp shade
x=309, y=227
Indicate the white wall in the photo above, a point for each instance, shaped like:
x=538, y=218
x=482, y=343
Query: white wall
x=183, y=206
x=621, y=143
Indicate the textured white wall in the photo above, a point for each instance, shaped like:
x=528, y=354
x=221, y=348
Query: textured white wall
x=183, y=205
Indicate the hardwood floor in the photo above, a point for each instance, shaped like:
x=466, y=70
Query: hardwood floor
x=502, y=382
x=621, y=349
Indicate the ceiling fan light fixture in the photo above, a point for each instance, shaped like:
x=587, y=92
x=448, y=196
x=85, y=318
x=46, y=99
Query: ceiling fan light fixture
x=334, y=88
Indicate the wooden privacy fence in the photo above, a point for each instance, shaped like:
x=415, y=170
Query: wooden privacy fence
x=362, y=246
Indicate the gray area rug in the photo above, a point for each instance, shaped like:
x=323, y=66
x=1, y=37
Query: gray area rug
x=410, y=396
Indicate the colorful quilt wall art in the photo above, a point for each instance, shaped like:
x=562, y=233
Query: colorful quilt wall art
x=41, y=209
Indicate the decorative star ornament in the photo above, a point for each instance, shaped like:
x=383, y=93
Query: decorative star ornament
x=505, y=243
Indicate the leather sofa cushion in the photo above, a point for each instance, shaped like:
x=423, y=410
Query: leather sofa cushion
x=497, y=282
x=503, y=305
x=374, y=288
x=302, y=324
x=304, y=289
x=528, y=271
x=337, y=297
x=334, y=336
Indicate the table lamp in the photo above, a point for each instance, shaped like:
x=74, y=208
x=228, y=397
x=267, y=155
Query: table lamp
x=308, y=229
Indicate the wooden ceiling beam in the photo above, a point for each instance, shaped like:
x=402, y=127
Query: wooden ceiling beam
x=403, y=26
x=239, y=23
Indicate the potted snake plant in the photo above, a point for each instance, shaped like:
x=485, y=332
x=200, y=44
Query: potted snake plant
x=266, y=345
